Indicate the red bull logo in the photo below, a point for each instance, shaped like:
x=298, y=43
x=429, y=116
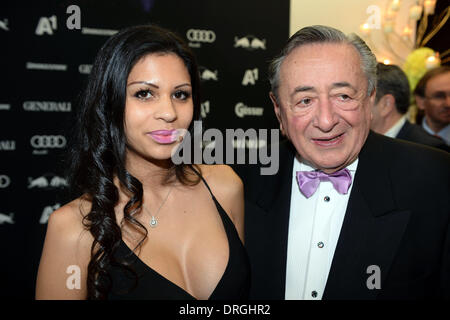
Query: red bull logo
x=4, y=24
x=209, y=75
x=47, y=181
x=4, y=218
x=250, y=43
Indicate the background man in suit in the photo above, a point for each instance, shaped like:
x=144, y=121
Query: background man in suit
x=392, y=103
x=351, y=214
x=432, y=95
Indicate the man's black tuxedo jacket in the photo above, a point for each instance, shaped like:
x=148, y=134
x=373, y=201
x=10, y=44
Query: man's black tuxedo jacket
x=398, y=218
x=413, y=132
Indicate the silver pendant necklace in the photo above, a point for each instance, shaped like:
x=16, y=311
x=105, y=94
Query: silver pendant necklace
x=154, y=220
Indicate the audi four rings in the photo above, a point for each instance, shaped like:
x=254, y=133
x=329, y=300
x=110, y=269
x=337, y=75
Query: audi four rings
x=4, y=181
x=48, y=141
x=196, y=35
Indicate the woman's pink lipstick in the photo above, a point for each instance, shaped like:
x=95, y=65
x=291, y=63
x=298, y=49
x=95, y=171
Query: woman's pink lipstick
x=164, y=136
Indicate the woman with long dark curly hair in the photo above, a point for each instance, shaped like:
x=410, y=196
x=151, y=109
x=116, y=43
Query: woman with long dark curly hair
x=143, y=227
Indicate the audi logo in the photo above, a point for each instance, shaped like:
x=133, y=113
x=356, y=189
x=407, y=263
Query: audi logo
x=196, y=35
x=48, y=142
x=4, y=181
x=85, y=68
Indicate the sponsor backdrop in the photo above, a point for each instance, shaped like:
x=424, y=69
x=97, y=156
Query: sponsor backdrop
x=47, y=48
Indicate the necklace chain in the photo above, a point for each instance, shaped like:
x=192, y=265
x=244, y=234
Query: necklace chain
x=154, y=221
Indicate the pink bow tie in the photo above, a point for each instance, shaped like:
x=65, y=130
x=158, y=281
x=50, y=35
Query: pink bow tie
x=308, y=181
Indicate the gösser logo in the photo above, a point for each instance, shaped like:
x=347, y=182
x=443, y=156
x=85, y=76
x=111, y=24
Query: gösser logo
x=242, y=110
x=44, y=142
x=196, y=35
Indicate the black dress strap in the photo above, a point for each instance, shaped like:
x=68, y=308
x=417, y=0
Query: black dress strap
x=204, y=181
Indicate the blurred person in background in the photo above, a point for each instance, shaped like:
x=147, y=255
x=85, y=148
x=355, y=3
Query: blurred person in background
x=390, y=108
x=432, y=95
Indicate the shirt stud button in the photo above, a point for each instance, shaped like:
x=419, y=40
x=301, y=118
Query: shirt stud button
x=326, y=199
x=320, y=244
x=314, y=294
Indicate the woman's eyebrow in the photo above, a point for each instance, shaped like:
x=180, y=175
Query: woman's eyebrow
x=143, y=82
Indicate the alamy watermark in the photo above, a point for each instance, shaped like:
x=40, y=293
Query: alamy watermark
x=374, y=280
x=74, y=280
x=221, y=150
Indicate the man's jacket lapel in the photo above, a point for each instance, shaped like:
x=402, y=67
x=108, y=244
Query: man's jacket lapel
x=371, y=232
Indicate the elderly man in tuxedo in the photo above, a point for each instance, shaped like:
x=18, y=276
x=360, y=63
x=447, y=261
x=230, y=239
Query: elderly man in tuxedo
x=350, y=214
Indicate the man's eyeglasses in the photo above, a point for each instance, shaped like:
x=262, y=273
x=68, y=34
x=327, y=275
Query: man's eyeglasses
x=438, y=96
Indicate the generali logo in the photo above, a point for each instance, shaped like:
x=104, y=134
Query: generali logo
x=47, y=106
x=7, y=145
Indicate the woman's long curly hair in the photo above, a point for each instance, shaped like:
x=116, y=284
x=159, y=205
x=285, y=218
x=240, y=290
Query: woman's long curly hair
x=98, y=151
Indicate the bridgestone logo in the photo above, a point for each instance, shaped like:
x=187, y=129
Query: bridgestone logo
x=48, y=106
x=46, y=66
x=98, y=32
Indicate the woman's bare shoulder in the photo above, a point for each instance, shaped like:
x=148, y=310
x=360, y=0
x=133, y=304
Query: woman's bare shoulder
x=221, y=176
x=68, y=220
x=226, y=186
x=67, y=245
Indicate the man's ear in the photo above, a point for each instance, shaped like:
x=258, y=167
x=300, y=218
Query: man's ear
x=373, y=96
x=276, y=108
x=387, y=103
x=420, y=102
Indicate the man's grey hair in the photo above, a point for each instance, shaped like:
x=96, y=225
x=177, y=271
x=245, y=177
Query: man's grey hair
x=325, y=34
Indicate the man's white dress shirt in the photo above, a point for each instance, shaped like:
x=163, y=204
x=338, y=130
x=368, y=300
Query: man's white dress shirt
x=314, y=228
x=395, y=129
